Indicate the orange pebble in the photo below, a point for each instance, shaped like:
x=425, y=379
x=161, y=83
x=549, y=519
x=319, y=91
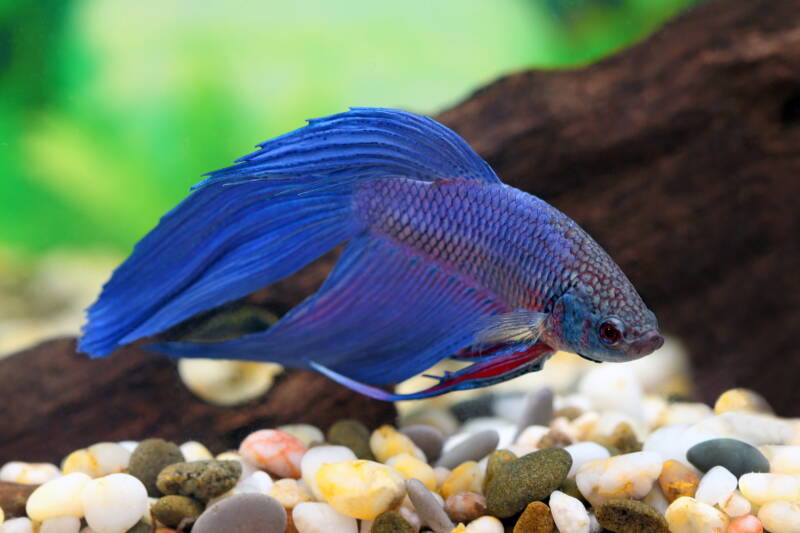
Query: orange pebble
x=677, y=480
x=745, y=524
x=274, y=451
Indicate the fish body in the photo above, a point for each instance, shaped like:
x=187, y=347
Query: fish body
x=442, y=260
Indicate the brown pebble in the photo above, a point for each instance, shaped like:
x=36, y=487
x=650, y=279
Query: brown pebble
x=536, y=518
x=630, y=516
x=465, y=507
x=570, y=413
x=624, y=439
x=554, y=439
x=677, y=480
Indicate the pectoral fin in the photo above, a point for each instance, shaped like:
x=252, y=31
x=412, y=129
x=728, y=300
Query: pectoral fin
x=516, y=327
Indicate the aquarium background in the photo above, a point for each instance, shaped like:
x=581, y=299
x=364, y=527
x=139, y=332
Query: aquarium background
x=111, y=110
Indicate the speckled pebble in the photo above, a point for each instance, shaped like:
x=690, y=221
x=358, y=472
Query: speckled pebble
x=569, y=514
x=274, y=451
x=203, y=480
x=360, y=489
x=428, y=508
x=114, y=503
x=427, y=438
x=687, y=515
x=621, y=477
x=529, y=478
x=496, y=460
x=624, y=439
x=631, y=516
x=467, y=477
x=536, y=518
x=242, y=513
x=677, y=480
x=737, y=456
x=149, y=458
x=172, y=510
x=465, y=506
x=780, y=516
x=386, y=442
x=391, y=522
x=352, y=434
x=58, y=497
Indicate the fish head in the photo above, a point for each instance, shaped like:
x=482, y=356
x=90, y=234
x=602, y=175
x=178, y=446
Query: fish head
x=602, y=318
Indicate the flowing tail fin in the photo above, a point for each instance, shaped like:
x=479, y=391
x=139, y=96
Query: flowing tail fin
x=260, y=220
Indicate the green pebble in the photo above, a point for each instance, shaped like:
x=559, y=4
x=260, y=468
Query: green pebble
x=391, y=522
x=149, y=458
x=527, y=479
x=200, y=479
x=630, y=516
x=354, y=435
x=570, y=487
x=498, y=459
x=737, y=456
x=140, y=527
x=623, y=438
x=172, y=510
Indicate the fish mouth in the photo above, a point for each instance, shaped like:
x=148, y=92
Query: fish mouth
x=646, y=344
x=590, y=359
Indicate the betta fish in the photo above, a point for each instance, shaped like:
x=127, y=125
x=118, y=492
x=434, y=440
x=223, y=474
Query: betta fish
x=442, y=260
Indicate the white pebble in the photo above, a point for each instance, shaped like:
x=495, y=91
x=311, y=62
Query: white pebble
x=195, y=451
x=129, y=445
x=58, y=497
x=735, y=505
x=763, y=488
x=318, y=456
x=61, y=524
x=583, y=452
x=17, y=525
x=613, y=388
x=655, y=499
x=258, y=482
x=531, y=435
x=569, y=513
x=594, y=525
x=716, y=485
x=485, y=524
x=780, y=517
x=685, y=413
x=687, y=515
x=624, y=476
x=312, y=517
x=782, y=459
x=672, y=442
x=29, y=473
x=753, y=428
x=114, y=503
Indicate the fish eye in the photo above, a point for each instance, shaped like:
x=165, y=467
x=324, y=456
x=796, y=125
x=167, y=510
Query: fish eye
x=610, y=331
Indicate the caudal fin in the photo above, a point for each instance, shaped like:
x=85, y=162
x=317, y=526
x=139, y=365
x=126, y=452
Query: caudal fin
x=273, y=212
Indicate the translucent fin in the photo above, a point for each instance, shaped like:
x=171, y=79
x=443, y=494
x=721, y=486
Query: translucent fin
x=510, y=328
x=385, y=314
x=490, y=371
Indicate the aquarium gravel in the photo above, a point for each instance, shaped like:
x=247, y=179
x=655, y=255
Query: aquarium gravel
x=573, y=463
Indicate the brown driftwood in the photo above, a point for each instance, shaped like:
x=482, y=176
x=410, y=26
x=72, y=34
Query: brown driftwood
x=54, y=401
x=681, y=155
x=13, y=497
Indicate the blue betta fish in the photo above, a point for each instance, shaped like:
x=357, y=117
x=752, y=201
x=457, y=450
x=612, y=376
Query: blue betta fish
x=442, y=260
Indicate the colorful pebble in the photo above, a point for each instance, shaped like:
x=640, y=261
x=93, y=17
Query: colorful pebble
x=624, y=476
x=677, y=480
x=360, y=489
x=274, y=451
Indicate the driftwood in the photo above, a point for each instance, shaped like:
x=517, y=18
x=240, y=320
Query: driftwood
x=55, y=401
x=681, y=155
x=13, y=497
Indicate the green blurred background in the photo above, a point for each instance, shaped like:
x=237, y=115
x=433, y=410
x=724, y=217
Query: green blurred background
x=110, y=110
